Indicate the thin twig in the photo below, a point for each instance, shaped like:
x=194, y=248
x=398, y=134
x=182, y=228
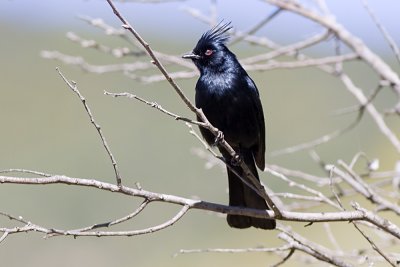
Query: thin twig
x=364, y=189
x=126, y=68
x=315, y=250
x=286, y=50
x=321, y=140
x=3, y=237
x=331, y=236
x=116, y=52
x=239, y=37
x=110, y=223
x=72, y=85
x=154, y=105
x=375, y=247
x=376, y=116
x=319, y=181
x=310, y=62
x=321, y=196
x=26, y=171
x=287, y=257
x=383, y=30
x=148, y=230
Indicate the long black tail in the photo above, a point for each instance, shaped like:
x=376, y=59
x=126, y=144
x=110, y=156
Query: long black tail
x=242, y=196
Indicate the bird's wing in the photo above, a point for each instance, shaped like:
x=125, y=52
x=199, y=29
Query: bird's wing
x=259, y=149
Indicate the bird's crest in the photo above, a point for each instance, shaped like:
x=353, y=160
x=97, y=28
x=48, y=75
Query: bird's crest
x=217, y=35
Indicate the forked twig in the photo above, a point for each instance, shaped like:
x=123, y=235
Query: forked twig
x=72, y=85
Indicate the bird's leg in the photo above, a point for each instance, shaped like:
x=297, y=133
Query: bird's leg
x=236, y=160
x=218, y=138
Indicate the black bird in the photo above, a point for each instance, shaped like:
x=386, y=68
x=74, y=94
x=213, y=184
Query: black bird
x=230, y=100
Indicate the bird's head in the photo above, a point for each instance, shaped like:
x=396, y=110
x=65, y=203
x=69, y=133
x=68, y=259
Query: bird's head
x=211, y=51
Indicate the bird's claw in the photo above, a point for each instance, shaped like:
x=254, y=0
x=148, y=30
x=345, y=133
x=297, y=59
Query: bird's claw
x=236, y=160
x=218, y=138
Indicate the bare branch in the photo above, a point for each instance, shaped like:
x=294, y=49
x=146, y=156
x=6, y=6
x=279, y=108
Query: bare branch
x=353, y=42
x=109, y=30
x=332, y=238
x=287, y=257
x=375, y=247
x=74, y=88
x=233, y=250
x=319, y=181
x=317, y=251
x=26, y=171
x=301, y=63
x=198, y=15
x=322, y=140
x=359, y=214
x=360, y=186
x=285, y=50
x=116, y=52
x=99, y=23
x=108, y=224
x=3, y=237
x=173, y=75
x=318, y=194
x=154, y=105
x=240, y=36
x=148, y=230
x=385, y=33
x=376, y=116
x=98, y=69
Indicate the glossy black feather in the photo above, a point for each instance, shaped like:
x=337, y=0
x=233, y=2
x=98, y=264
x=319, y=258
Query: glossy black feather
x=230, y=100
x=217, y=35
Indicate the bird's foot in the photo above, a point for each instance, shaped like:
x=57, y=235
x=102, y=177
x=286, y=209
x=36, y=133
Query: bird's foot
x=218, y=138
x=236, y=160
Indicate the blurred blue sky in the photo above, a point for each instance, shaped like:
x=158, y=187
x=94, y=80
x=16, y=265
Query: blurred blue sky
x=169, y=21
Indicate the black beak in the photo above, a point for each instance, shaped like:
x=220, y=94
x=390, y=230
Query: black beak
x=191, y=55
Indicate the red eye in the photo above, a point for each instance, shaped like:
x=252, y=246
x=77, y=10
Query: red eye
x=208, y=52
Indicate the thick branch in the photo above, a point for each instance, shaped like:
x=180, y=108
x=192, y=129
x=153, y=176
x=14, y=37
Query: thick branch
x=358, y=214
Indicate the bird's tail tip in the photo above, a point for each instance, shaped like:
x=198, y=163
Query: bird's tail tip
x=242, y=222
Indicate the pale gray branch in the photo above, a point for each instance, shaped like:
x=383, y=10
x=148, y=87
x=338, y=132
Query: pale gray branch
x=359, y=214
x=356, y=44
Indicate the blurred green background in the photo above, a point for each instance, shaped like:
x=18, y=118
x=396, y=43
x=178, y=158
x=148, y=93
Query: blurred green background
x=45, y=128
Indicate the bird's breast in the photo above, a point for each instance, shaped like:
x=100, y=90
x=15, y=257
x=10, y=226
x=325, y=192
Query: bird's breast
x=227, y=105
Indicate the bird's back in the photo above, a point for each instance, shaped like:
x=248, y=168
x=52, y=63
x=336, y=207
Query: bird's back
x=231, y=103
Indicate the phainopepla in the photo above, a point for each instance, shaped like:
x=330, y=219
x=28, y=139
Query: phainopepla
x=230, y=100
